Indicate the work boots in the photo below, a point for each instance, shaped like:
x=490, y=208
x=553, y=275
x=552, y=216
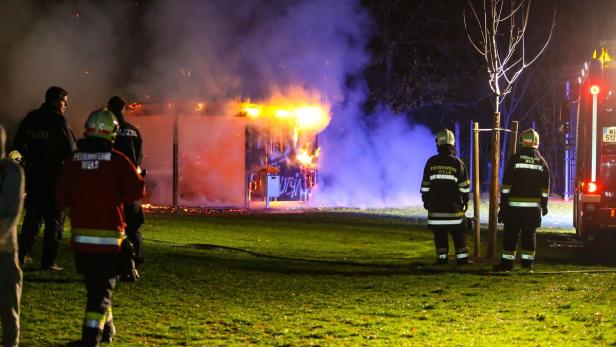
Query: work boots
x=108, y=332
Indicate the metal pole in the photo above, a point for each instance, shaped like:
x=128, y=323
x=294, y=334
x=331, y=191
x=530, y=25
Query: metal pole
x=456, y=129
x=476, y=192
x=471, y=152
x=512, y=139
x=175, y=162
x=493, y=211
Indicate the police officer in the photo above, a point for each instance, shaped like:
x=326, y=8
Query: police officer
x=129, y=142
x=94, y=184
x=44, y=139
x=524, y=199
x=444, y=191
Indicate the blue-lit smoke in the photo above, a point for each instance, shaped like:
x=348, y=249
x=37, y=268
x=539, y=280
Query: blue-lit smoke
x=220, y=50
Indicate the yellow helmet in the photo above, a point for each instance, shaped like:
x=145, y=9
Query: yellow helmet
x=529, y=138
x=102, y=124
x=445, y=137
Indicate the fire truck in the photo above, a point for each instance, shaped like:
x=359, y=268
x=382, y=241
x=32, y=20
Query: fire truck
x=593, y=135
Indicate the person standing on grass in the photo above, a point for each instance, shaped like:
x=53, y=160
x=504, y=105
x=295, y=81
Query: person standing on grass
x=44, y=139
x=129, y=142
x=444, y=191
x=11, y=201
x=524, y=199
x=95, y=183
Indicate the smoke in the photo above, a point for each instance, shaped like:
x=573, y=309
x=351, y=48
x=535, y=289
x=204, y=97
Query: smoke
x=64, y=44
x=216, y=51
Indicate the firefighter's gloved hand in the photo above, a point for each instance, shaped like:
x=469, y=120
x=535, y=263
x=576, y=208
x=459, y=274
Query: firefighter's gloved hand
x=544, y=211
x=426, y=205
x=499, y=218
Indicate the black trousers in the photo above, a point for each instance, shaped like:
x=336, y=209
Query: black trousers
x=100, y=276
x=53, y=219
x=441, y=241
x=527, y=235
x=133, y=216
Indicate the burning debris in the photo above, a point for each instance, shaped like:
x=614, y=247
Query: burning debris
x=221, y=154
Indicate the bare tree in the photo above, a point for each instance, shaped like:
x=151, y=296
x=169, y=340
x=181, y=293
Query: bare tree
x=498, y=35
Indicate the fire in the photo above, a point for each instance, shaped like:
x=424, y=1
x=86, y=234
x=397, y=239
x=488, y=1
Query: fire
x=304, y=158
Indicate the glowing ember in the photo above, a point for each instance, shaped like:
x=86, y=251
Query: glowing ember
x=200, y=106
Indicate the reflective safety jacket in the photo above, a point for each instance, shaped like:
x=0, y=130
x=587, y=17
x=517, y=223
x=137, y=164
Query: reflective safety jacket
x=525, y=188
x=95, y=183
x=445, y=187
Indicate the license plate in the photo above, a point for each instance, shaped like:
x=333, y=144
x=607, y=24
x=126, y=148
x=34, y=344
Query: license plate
x=609, y=134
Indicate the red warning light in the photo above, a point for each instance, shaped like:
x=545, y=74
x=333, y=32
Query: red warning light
x=594, y=89
x=592, y=187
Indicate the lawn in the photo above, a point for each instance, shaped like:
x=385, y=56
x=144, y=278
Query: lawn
x=331, y=278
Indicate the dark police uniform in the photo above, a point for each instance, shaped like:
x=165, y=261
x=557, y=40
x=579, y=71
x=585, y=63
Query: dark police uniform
x=524, y=195
x=444, y=191
x=45, y=139
x=129, y=142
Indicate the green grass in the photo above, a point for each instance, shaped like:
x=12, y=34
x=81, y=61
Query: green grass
x=324, y=278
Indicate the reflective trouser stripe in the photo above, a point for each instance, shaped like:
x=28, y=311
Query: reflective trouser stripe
x=508, y=255
x=425, y=189
x=506, y=190
x=462, y=255
x=442, y=255
x=528, y=255
x=444, y=222
x=445, y=214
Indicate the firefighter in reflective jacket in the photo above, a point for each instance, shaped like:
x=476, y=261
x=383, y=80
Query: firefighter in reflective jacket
x=524, y=199
x=444, y=191
x=95, y=183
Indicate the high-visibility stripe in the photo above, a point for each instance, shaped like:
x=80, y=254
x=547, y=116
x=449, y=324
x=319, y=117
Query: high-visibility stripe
x=461, y=255
x=445, y=214
x=529, y=166
x=98, y=232
x=465, y=190
x=444, y=222
x=523, y=204
x=544, y=195
x=465, y=183
x=527, y=256
x=94, y=320
x=92, y=240
x=442, y=256
x=425, y=189
x=443, y=177
x=506, y=190
x=508, y=256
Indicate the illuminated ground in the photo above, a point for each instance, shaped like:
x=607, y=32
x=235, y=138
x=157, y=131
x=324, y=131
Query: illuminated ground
x=342, y=278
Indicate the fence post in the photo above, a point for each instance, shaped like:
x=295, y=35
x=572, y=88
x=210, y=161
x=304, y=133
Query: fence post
x=476, y=192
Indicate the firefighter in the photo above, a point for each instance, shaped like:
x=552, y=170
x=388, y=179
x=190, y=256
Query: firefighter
x=95, y=183
x=524, y=199
x=129, y=142
x=44, y=139
x=444, y=191
x=11, y=201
